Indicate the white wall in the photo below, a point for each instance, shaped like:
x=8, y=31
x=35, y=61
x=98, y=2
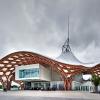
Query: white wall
x=25, y=67
x=56, y=76
x=45, y=73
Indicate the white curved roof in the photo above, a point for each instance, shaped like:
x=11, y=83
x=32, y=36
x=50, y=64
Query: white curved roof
x=69, y=58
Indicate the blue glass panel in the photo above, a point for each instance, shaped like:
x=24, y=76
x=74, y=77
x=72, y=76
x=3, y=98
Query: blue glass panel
x=28, y=73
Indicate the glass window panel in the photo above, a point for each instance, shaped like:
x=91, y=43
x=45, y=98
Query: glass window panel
x=27, y=73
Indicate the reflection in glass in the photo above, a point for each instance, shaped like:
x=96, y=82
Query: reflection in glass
x=27, y=73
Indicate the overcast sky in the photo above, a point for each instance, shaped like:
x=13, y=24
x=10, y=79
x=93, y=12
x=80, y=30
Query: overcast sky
x=41, y=26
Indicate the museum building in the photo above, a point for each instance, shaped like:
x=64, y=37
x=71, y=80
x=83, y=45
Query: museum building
x=33, y=71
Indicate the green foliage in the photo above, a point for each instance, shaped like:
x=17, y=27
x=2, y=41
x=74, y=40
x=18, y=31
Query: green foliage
x=96, y=80
x=14, y=86
x=0, y=86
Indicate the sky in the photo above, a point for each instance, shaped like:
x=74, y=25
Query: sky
x=41, y=26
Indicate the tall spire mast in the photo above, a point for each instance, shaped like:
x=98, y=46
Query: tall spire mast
x=66, y=46
x=68, y=29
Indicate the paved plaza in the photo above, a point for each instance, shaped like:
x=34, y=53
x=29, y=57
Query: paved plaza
x=48, y=95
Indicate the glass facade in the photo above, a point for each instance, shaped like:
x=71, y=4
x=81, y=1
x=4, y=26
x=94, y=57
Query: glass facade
x=37, y=85
x=43, y=85
x=28, y=73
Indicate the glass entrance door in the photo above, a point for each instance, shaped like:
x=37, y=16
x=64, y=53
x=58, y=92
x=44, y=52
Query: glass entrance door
x=40, y=85
x=36, y=87
x=27, y=85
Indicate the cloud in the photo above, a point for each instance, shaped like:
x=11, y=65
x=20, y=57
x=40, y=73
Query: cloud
x=41, y=26
x=90, y=53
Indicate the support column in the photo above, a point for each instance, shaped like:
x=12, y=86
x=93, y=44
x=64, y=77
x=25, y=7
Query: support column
x=4, y=84
x=65, y=84
x=68, y=84
x=51, y=73
x=22, y=86
x=8, y=85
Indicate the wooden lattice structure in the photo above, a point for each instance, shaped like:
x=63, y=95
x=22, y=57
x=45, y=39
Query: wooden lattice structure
x=66, y=71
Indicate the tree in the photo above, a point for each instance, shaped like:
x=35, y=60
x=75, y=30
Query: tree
x=0, y=86
x=96, y=81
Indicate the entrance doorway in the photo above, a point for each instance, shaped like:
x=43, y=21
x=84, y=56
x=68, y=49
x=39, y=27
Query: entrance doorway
x=37, y=85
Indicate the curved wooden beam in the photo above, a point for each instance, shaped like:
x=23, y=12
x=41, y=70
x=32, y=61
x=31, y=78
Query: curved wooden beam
x=9, y=62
